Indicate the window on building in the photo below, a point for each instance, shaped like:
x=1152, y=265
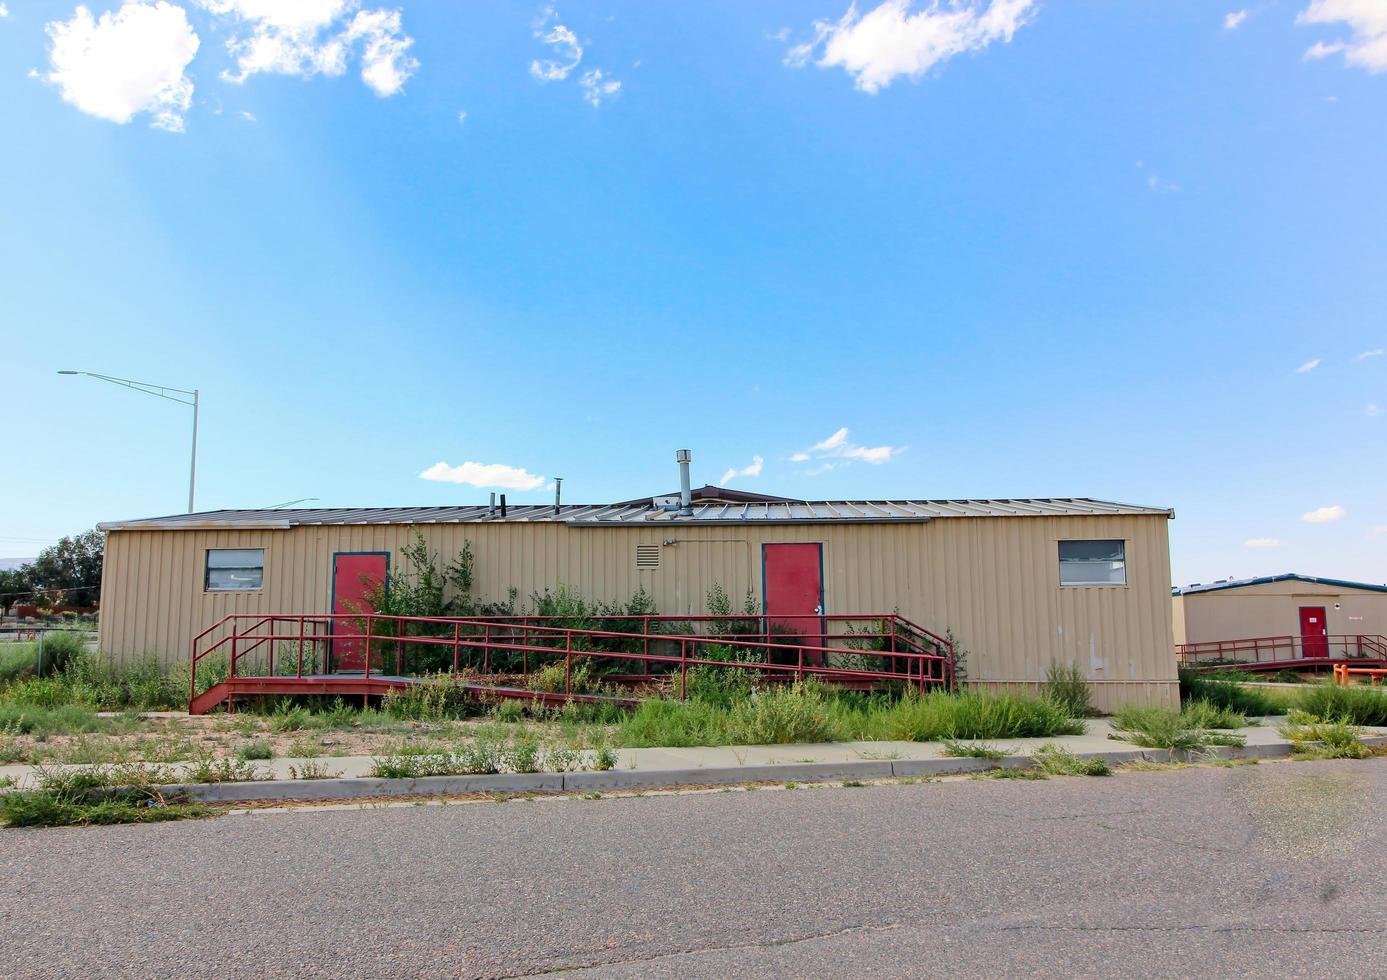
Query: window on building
x=234, y=569
x=1093, y=563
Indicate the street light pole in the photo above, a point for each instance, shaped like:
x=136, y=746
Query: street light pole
x=161, y=391
x=192, y=465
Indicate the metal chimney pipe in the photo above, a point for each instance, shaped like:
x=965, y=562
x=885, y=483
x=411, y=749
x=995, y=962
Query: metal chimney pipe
x=491, y=510
x=503, y=505
x=683, y=457
x=558, y=488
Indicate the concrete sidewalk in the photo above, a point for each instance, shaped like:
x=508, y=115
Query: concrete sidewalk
x=349, y=776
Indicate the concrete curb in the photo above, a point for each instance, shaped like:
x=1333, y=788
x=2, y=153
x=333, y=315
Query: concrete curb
x=361, y=787
x=620, y=779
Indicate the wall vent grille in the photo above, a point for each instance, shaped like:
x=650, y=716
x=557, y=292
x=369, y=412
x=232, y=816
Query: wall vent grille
x=647, y=556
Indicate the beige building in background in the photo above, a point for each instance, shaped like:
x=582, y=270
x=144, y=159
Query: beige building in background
x=1021, y=584
x=1278, y=606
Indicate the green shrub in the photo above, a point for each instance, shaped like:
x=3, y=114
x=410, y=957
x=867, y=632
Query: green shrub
x=1054, y=760
x=1224, y=691
x=290, y=717
x=523, y=755
x=67, y=719
x=128, y=793
x=1206, y=714
x=1313, y=737
x=256, y=750
x=443, y=697
x=39, y=692
x=720, y=686
x=509, y=711
x=59, y=648
x=974, y=750
x=1067, y=686
x=1365, y=705
x=781, y=715
x=205, y=769
x=676, y=724
x=1161, y=728
x=17, y=660
x=969, y=715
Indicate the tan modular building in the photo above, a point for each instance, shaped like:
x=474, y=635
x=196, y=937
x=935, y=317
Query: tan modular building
x=1301, y=610
x=1019, y=583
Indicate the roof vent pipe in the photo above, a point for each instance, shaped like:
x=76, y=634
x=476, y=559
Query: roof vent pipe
x=683, y=457
x=558, y=488
x=491, y=510
x=503, y=506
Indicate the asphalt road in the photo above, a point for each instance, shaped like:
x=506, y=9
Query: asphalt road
x=1274, y=870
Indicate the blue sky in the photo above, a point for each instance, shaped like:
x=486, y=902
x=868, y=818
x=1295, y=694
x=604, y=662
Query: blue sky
x=1013, y=248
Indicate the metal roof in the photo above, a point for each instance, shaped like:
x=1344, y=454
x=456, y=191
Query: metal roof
x=1268, y=579
x=643, y=514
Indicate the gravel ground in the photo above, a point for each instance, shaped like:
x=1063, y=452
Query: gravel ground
x=1255, y=871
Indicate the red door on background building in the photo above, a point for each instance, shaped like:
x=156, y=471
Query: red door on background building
x=356, y=575
x=792, y=584
x=1314, y=632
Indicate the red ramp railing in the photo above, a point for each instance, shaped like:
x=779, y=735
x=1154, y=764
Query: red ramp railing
x=856, y=650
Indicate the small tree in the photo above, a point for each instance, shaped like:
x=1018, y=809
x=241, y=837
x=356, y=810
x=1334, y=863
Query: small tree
x=69, y=572
x=14, y=587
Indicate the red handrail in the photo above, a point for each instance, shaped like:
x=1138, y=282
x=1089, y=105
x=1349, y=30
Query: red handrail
x=526, y=635
x=1251, y=650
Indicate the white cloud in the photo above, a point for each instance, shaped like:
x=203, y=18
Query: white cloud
x=313, y=37
x=1234, y=19
x=125, y=63
x=567, y=52
x=247, y=116
x=1324, y=515
x=1366, y=20
x=753, y=469
x=840, y=447
x=1161, y=186
x=4, y=11
x=385, y=60
x=1308, y=366
x=484, y=475
x=1263, y=543
x=1372, y=409
x=595, y=89
x=462, y=117
x=889, y=40
x=1369, y=353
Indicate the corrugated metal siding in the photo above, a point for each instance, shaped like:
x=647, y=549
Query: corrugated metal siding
x=993, y=581
x=1273, y=609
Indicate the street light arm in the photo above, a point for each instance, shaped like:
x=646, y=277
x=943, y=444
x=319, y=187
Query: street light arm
x=159, y=391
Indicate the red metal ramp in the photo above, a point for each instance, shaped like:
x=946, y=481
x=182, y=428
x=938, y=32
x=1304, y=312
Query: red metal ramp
x=285, y=654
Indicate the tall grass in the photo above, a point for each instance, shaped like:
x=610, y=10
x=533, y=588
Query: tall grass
x=1188, y=729
x=1066, y=685
x=810, y=713
x=1356, y=705
x=1225, y=692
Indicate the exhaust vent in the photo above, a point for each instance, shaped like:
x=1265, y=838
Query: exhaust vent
x=647, y=556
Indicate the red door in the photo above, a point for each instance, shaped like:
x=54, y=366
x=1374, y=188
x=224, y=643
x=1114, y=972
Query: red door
x=1314, y=632
x=355, y=578
x=793, y=587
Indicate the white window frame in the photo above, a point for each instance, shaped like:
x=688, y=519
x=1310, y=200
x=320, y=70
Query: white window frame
x=1105, y=584
x=207, y=568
